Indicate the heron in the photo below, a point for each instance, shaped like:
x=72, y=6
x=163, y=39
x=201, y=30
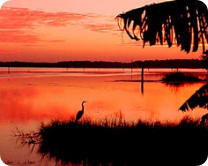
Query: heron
x=80, y=113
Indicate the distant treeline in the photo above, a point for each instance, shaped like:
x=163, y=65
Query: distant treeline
x=176, y=63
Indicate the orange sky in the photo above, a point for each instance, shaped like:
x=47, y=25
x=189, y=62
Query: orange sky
x=41, y=30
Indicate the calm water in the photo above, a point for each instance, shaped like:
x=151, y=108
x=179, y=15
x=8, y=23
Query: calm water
x=30, y=96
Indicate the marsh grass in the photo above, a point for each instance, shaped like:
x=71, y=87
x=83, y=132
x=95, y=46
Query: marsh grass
x=117, y=142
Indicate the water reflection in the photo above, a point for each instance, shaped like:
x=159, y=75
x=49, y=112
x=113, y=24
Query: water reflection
x=59, y=98
x=28, y=100
x=142, y=81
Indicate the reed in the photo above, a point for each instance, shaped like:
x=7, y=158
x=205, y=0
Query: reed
x=117, y=142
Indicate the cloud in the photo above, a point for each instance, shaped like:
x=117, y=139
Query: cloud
x=17, y=25
x=21, y=25
x=13, y=18
x=17, y=36
x=55, y=41
x=8, y=52
x=102, y=27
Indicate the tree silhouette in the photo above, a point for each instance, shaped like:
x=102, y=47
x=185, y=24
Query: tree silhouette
x=184, y=22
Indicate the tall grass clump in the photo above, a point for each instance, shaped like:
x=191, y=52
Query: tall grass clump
x=117, y=142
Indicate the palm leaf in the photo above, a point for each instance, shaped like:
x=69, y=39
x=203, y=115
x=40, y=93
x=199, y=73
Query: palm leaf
x=199, y=98
x=184, y=22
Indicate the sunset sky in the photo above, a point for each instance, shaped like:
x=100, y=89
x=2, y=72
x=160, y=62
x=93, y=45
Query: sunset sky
x=65, y=30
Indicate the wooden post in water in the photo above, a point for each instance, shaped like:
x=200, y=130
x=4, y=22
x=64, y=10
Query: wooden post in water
x=142, y=80
x=8, y=68
x=131, y=70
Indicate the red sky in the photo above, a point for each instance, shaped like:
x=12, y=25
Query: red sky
x=64, y=30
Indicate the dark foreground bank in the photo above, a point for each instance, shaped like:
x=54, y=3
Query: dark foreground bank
x=119, y=143
x=174, y=63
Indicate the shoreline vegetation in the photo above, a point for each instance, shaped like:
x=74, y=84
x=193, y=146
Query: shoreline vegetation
x=178, y=78
x=117, y=142
x=175, y=63
x=172, y=78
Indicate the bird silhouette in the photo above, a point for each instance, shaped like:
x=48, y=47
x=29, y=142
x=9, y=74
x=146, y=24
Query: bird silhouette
x=80, y=113
x=2, y=2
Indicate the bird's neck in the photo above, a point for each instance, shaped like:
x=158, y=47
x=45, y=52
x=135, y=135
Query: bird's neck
x=83, y=107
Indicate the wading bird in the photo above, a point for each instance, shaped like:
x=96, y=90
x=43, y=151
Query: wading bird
x=80, y=113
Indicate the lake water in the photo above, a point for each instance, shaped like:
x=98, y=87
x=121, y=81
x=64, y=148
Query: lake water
x=31, y=96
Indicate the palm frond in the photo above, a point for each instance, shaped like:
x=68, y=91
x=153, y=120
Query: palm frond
x=184, y=22
x=199, y=98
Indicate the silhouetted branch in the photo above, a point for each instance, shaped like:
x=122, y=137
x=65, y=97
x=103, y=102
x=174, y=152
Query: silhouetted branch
x=200, y=98
x=205, y=60
x=182, y=21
